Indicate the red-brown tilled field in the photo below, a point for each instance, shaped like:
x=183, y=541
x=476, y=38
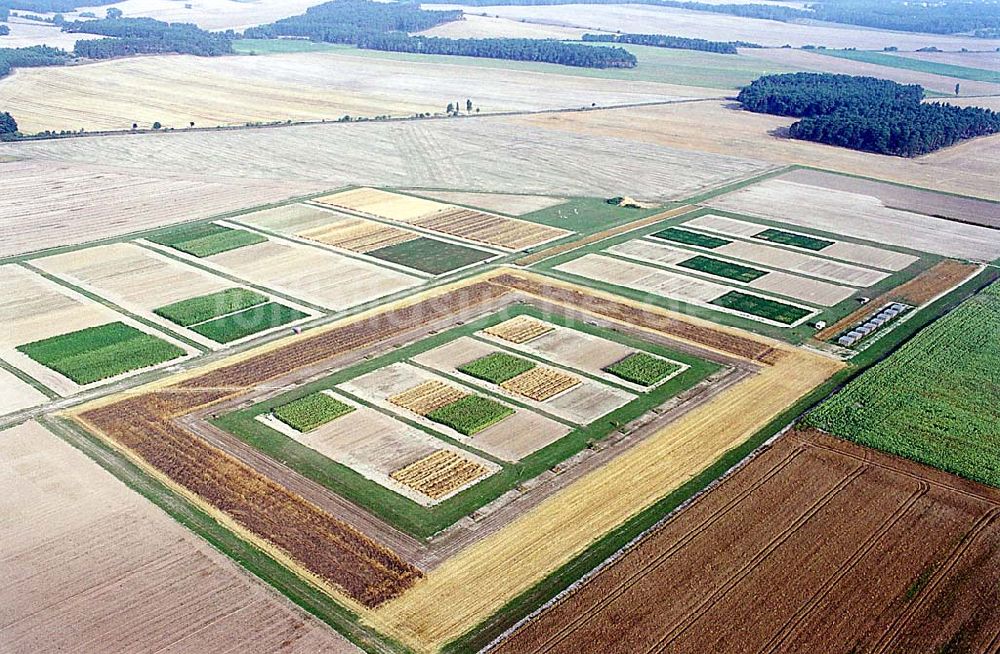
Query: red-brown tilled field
x=817, y=545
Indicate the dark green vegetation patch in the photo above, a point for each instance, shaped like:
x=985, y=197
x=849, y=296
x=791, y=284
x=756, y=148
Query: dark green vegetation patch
x=250, y=321
x=312, y=411
x=762, y=307
x=678, y=235
x=936, y=400
x=205, y=307
x=206, y=239
x=497, y=367
x=797, y=240
x=643, y=369
x=471, y=414
x=97, y=353
x=430, y=255
x=720, y=268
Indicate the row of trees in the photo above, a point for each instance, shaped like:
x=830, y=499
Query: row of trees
x=346, y=21
x=130, y=36
x=38, y=55
x=674, y=42
x=547, y=51
x=865, y=113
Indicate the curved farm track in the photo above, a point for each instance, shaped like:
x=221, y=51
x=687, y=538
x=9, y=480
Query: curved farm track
x=816, y=545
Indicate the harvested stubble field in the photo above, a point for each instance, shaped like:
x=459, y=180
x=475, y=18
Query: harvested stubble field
x=212, y=14
x=540, y=384
x=860, y=216
x=519, y=330
x=427, y=397
x=89, y=565
x=396, y=154
x=916, y=571
x=16, y=394
x=969, y=168
x=439, y=474
x=506, y=203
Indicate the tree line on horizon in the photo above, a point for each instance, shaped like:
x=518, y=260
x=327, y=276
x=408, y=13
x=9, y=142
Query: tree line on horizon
x=672, y=42
x=130, y=36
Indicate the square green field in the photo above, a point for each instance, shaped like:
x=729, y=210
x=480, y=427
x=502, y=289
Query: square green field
x=796, y=240
x=686, y=237
x=205, y=307
x=471, y=414
x=312, y=411
x=643, y=369
x=497, y=367
x=785, y=314
x=204, y=240
x=431, y=256
x=721, y=268
x=248, y=322
x=97, y=353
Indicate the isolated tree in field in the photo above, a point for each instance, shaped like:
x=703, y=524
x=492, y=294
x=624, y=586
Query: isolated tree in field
x=468, y=105
x=114, y=13
x=157, y=125
x=957, y=87
x=450, y=109
x=7, y=123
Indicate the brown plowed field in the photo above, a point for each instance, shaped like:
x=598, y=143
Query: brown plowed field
x=817, y=545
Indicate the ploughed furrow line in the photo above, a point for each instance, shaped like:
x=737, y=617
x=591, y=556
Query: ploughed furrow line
x=707, y=336
x=327, y=547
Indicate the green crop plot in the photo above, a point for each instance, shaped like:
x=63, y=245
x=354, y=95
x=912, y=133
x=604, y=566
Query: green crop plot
x=431, y=256
x=786, y=314
x=97, y=353
x=690, y=238
x=247, y=322
x=497, y=367
x=643, y=369
x=205, y=307
x=936, y=400
x=797, y=240
x=312, y=411
x=204, y=240
x=720, y=268
x=471, y=414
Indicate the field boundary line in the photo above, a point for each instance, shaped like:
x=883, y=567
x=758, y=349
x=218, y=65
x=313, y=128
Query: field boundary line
x=29, y=380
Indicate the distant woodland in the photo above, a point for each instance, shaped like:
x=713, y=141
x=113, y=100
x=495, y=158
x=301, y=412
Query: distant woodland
x=865, y=113
x=130, y=36
x=674, y=42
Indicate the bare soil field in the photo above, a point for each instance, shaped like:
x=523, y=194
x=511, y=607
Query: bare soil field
x=401, y=154
x=968, y=169
x=27, y=33
x=16, y=395
x=722, y=27
x=177, y=90
x=984, y=60
x=90, y=565
x=965, y=210
x=807, y=60
x=917, y=570
x=507, y=203
x=211, y=14
x=49, y=203
x=491, y=27
x=860, y=216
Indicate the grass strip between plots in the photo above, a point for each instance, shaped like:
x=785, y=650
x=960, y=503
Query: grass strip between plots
x=312, y=411
x=205, y=307
x=204, y=240
x=721, y=268
x=250, y=321
x=685, y=237
x=643, y=369
x=471, y=414
x=782, y=237
x=430, y=255
x=97, y=353
x=497, y=367
x=762, y=307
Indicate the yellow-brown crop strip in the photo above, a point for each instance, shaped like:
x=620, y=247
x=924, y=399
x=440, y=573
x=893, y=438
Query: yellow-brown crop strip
x=358, y=235
x=540, y=384
x=427, y=397
x=519, y=330
x=439, y=474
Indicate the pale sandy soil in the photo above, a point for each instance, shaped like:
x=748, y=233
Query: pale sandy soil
x=819, y=62
x=860, y=216
x=176, y=90
x=376, y=445
x=16, y=395
x=50, y=203
x=511, y=439
x=491, y=27
x=582, y=404
x=782, y=283
x=804, y=264
x=211, y=14
x=864, y=255
x=88, y=565
x=26, y=33
x=722, y=27
x=514, y=205
x=971, y=168
x=984, y=60
x=986, y=102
